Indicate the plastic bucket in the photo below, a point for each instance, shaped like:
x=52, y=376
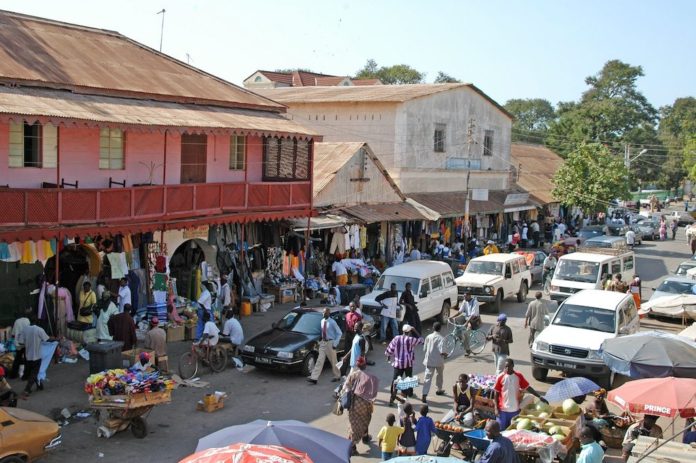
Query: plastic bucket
x=246, y=309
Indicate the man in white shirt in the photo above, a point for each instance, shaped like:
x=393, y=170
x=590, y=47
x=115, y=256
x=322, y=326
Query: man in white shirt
x=399, y=257
x=211, y=333
x=562, y=228
x=233, y=330
x=124, y=294
x=415, y=254
x=225, y=293
x=33, y=336
x=469, y=316
x=630, y=238
x=434, y=361
x=341, y=273
x=17, y=330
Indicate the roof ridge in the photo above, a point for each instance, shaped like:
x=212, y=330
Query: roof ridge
x=59, y=23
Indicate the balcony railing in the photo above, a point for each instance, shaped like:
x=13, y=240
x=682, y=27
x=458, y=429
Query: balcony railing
x=85, y=206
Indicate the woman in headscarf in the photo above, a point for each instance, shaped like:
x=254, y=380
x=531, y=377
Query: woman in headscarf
x=597, y=414
x=364, y=386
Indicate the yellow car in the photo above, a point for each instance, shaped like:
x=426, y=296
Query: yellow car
x=26, y=436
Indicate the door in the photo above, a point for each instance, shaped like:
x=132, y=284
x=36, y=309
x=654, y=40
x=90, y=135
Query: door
x=436, y=296
x=194, y=158
x=628, y=270
x=631, y=317
x=425, y=299
x=512, y=274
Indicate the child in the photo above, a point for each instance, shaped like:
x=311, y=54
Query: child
x=388, y=437
x=425, y=428
x=407, y=440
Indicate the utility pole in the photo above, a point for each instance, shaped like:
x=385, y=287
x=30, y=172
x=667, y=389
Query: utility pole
x=469, y=142
x=162, y=12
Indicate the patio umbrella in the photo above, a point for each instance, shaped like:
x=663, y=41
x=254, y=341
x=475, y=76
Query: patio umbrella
x=424, y=459
x=677, y=305
x=248, y=453
x=569, y=388
x=689, y=332
x=657, y=396
x=321, y=446
x=650, y=354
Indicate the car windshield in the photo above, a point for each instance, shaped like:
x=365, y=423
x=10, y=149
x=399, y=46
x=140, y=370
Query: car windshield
x=584, y=317
x=577, y=270
x=676, y=287
x=301, y=322
x=587, y=234
x=385, y=282
x=683, y=268
x=486, y=268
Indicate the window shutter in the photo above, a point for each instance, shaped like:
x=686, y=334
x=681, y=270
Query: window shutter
x=287, y=155
x=50, y=146
x=302, y=163
x=16, y=153
x=271, y=157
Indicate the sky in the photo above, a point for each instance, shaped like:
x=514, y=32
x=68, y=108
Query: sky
x=509, y=49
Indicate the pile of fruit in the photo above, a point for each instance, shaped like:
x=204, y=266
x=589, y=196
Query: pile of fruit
x=449, y=427
x=527, y=440
x=123, y=382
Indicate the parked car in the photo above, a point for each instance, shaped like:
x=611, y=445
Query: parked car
x=535, y=262
x=685, y=267
x=495, y=277
x=571, y=342
x=292, y=343
x=432, y=284
x=614, y=242
x=26, y=436
x=683, y=218
x=585, y=233
x=649, y=228
x=674, y=285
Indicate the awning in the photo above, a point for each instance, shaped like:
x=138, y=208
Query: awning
x=61, y=107
x=453, y=203
x=320, y=222
x=524, y=207
x=385, y=212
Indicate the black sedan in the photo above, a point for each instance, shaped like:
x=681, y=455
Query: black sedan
x=292, y=344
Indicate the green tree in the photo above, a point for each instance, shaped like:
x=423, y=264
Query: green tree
x=590, y=177
x=390, y=75
x=677, y=132
x=444, y=78
x=532, y=119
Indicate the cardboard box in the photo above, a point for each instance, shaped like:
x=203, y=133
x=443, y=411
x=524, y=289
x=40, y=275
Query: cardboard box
x=175, y=333
x=189, y=332
x=210, y=407
x=287, y=295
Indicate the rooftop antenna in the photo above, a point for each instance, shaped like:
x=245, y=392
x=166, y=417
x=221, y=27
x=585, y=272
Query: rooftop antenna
x=188, y=58
x=162, y=29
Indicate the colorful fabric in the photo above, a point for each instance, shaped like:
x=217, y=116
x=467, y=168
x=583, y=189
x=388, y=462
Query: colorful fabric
x=510, y=389
x=401, y=349
x=359, y=417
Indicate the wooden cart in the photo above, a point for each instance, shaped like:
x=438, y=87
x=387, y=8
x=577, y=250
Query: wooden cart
x=123, y=411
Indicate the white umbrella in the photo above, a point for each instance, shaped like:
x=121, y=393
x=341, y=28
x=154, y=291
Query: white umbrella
x=689, y=332
x=677, y=305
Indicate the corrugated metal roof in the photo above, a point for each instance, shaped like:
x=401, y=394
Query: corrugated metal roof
x=453, y=204
x=41, y=52
x=366, y=82
x=42, y=103
x=537, y=166
x=384, y=212
x=328, y=160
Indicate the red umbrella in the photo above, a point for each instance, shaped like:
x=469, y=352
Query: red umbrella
x=657, y=396
x=248, y=453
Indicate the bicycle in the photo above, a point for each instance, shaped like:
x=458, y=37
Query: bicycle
x=213, y=356
x=546, y=282
x=477, y=339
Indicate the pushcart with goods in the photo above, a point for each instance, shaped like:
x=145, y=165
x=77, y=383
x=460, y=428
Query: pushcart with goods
x=123, y=411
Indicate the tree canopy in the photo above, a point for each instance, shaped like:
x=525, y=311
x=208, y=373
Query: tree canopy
x=532, y=119
x=677, y=131
x=390, y=75
x=444, y=78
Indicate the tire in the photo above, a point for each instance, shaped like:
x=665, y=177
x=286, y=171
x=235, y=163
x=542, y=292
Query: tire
x=498, y=304
x=449, y=344
x=13, y=459
x=524, y=289
x=540, y=374
x=188, y=365
x=217, y=359
x=138, y=427
x=445, y=313
x=477, y=341
x=308, y=364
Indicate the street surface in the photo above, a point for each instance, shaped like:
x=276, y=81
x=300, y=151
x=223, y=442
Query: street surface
x=174, y=429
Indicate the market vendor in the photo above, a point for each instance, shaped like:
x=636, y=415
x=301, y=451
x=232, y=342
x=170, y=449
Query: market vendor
x=88, y=299
x=105, y=310
x=597, y=413
x=463, y=403
x=509, y=388
x=645, y=427
x=144, y=363
x=340, y=272
x=501, y=449
x=156, y=339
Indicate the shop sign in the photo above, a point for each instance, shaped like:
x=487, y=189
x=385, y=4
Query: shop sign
x=515, y=199
x=196, y=233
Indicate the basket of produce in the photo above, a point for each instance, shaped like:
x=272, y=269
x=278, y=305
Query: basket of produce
x=613, y=437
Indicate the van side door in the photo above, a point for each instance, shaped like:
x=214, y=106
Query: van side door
x=512, y=272
x=631, y=317
x=435, y=300
x=425, y=300
x=628, y=267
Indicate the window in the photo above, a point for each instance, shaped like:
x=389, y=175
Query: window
x=615, y=267
x=424, y=288
x=111, y=149
x=628, y=263
x=439, y=138
x=515, y=266
x=258, y=79
x=488, y=143
x=436, y=282
x=33, y=145
x=448, y=279
x=237, y=152
x=285, y=159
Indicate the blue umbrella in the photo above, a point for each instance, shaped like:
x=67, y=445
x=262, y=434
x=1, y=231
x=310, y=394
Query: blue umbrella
x=569, y=388
x=321, y=446
x=425, y=459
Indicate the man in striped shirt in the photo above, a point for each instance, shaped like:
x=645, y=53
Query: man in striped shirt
x=401, y=354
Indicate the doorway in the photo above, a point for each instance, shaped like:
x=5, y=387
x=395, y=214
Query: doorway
x=194, y=154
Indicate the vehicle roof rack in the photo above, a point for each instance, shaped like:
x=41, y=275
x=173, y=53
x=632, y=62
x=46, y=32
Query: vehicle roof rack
x=613, y=251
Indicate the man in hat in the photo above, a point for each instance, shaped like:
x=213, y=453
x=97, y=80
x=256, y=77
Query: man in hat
x=490, y=248
x=106, y=309
x=143, y=363
x=501, y=336
x=156, y=339
x=401, y=354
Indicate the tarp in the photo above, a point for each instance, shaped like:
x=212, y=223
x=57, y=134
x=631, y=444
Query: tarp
x=320, y=222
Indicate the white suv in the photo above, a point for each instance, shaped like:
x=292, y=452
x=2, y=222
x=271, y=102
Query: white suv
x=495, y=277
x=582, y=322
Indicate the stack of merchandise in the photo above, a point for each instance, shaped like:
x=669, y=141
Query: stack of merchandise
x=482, y=385
x=126, y=382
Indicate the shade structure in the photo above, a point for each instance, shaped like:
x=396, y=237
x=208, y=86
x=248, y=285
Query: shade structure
x=569, y=388
x=689, y=332
x=650, y=354
x=248, y=453
x=677, y=305
x=657, y=396
x=424, y=459
x=321, y=446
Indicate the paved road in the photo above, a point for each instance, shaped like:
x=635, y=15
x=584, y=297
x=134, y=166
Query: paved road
x=174, y=429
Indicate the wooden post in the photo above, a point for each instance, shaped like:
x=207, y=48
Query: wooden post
x=58, y=208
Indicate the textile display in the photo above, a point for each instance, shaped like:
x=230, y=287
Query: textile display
x=123, y=382
x=47, y=351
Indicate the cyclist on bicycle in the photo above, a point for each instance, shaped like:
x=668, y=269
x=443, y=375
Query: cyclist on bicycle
x=469, y=318
x=549, y=267
x=211, y=333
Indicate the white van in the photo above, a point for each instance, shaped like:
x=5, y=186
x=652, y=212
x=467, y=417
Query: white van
x=432, y=284
x=586, y=270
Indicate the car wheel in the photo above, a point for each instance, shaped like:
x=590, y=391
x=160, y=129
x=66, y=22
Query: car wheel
x=13, y=459
x=540, y=374
x=445, y=313
x=522, y=294
x=498, y=304
x=308, y=364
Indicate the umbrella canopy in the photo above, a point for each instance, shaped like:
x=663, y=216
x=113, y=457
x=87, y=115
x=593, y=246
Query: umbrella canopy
x=321, y=446
x=689, y=332
x=248, y=453
x=676, y=305
x=657, y=396
x=650, y=354
x=569, y=388
x=424, y=459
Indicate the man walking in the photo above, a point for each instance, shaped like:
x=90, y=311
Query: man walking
x=32, y=336
x=355, y=351
x=469, y=318
x=501, y=336
x=434, y=361
x=401, y=354
x=389, y=300
x=330, y=337
x=352, y=318
x=508, y=390
x=534, y=318
x=408, y=301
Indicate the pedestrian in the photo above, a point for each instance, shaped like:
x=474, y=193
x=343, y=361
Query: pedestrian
x=674, y=225
x=534, y=318
x=468, y=318
x=156, y=339
x=124, y=294
x=32, y=336
x=352, y=317
x=645, y=427
x=105, y=310
x=501, y=337
x=630, y=238
x=524, y=238
x=17, y=328
x=401, y=353
x=355, y=351
x=508, y=390
x=122, y=328
x=411, y=311
x=500, y=449
x=663, y=229
x=398, y=256
x=225, y=294
x=407, y=420
x=425, y=428
x=618, y=284
x=389, y=301
x=365, y=387
x=340, y=272
x=434, y=361
x=388, y=437
x=205, y=304
x=463, y=403
x=590, y=450
x=232, y=331
x=85, y=310
x=536, y=233
x=330, y=337
x=635, y=288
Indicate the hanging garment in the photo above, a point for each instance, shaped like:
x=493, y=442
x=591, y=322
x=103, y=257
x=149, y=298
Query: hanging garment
x=117, y=271
x=338, y=241
x=5, y=252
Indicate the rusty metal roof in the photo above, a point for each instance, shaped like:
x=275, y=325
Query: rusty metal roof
x=537, y=166
x=45, y=53
x=62, y=106
x=384, y=212
x=328, y=160
x=453, y=203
